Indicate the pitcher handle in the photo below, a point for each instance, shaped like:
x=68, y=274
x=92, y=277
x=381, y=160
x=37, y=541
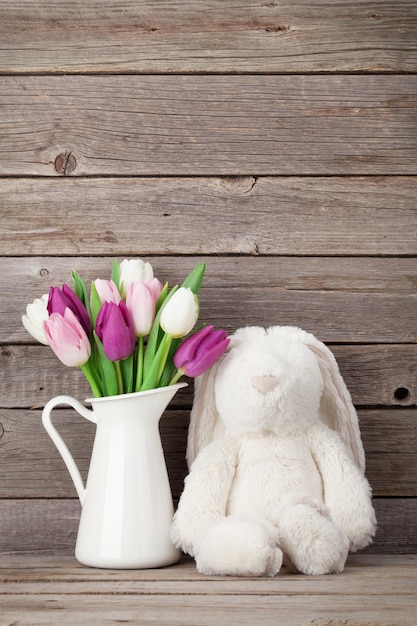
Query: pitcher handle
x=59, y=442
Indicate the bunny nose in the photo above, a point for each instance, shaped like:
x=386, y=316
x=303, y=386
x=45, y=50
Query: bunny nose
x=264, y=384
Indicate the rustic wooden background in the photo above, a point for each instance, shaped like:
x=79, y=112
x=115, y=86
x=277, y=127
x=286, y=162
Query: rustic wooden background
x=276, y=141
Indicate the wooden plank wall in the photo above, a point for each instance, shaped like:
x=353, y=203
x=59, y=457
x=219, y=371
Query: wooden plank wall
x=276, y=141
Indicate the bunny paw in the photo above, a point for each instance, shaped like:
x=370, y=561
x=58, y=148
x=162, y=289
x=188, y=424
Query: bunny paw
x=311, y=541
x=236, y=547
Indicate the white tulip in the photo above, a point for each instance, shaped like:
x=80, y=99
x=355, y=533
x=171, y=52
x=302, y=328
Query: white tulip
x=131, y=271
x=180, y=313
x=36, y=314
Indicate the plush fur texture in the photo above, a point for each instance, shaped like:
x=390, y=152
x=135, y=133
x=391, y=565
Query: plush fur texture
x=276, y=461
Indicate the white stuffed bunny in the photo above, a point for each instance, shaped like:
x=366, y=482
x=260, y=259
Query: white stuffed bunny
x=276, y=461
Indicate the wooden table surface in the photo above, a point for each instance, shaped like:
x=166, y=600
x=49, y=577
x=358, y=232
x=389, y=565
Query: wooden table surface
x=374, y=590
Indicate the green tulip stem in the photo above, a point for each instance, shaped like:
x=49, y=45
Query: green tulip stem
x=166, y=342
x=91, y=375
x=139, y=371
x=119, y=376
x=176, y=376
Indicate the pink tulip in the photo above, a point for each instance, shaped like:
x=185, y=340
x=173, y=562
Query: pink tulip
x=155, y=286
x=200, y=351
x=114, y=328
x=141, y=303
x=107, y=291
x=67, y=338
x=60, y=299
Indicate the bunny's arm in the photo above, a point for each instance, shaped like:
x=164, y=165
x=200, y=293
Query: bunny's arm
x=347, y=492
x=206, y=493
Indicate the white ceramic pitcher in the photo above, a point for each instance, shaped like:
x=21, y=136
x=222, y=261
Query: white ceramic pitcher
x=127, y=506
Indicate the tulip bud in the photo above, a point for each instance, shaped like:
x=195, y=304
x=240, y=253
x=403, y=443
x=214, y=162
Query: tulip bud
x=155, y=286
x=60, y=299
x=200, y=351
x=107, y=291
x=180, y=313
x=114, y=328
x=131, y=271
x=141, y=303
x=36, y=314
x=67, y=338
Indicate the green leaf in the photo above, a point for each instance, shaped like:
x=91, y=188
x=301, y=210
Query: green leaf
x=169, y=368
x=95, y=303
x=91, y=375
x=167, y=374
x=156, y=335
x=80, y=290
x=153, y=374
x=127, y=369
x=162, y=297
x=139, y=364
x=119, y=377
x=195, y=278
x=115, y=273
x=108, y=372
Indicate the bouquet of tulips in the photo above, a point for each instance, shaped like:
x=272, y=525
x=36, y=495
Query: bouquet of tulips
x=132, y=333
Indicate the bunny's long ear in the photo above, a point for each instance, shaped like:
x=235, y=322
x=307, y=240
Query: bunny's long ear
x=336, y=408
x=205, y=423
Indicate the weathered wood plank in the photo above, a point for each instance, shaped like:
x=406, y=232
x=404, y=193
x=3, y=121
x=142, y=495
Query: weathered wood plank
x=217, y=36
x=211, y=125
x=294, y=609
x=379, y=375
x=232, y=125
x=19, y=567
x=397, y=526
x=389, y=439
x=27, y=572
x=31, y=466
x=23, y=526
x=403, y=585
x=339, y=299
x=384, y=375
x=358, y=579
x=305, y=216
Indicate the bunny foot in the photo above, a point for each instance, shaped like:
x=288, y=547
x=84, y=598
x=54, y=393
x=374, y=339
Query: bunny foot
x=311, y=540
x=235, y=547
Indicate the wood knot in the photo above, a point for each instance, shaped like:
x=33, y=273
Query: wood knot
x=279, y=28
x=402, y=395
x=65, y=163
x=239, y=185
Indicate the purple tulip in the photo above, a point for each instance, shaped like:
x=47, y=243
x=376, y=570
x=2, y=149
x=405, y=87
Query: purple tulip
x=200, y=351
x=114, y=328
x=61, y=299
